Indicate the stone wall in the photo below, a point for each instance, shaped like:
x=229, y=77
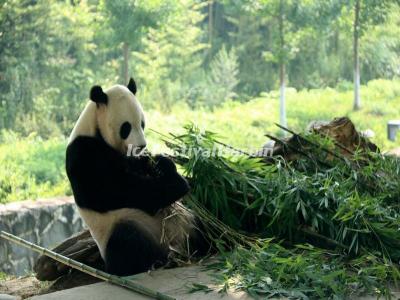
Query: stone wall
x=43, y=222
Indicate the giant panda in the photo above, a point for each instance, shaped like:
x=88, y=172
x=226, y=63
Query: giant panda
x=131, y=210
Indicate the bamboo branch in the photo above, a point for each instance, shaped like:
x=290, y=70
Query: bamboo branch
x=120, y=281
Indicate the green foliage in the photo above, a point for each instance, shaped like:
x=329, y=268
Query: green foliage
x=303, y=272
x=16, y=36
x=379, y=53
x=53, y=51
x=348, y=207
x=224, y=70
x=3, y=276
x=354, y=207
x=44, y=70
x=373, y=12
x=171, y=56
x=131, y=19
x=31, y=168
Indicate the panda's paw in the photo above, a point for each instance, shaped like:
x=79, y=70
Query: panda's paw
x=165, y=164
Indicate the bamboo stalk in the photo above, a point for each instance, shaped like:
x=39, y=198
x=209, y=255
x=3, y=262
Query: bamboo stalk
x=120, y=281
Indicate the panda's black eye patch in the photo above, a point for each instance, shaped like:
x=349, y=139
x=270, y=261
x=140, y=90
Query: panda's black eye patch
x=142, y=124
x=125, y=130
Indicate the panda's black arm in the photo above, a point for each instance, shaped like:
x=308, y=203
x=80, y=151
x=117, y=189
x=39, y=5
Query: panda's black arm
x=155, y=192
x=152, y=194
x=101, y=180
x=147, y=194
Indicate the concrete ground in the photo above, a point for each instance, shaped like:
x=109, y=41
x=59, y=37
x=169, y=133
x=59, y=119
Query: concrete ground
x=173, y=282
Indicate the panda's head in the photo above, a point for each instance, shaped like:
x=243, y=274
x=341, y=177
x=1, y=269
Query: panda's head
x=119, y=117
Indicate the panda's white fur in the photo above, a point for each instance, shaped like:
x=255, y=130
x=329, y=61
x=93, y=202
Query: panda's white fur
x=169, y=227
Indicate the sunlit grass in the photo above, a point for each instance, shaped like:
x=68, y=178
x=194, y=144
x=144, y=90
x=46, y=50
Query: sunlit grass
x=244, y=125
x=32, y=168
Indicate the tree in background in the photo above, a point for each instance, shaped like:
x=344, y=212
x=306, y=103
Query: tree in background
x=288, y=25
x=51, y=52
x=381, y=48
x=19, y=39
x=170, y=60
x=366, y=13
x=291, y=26
x=45, y=50
x=223, y=78
x=130, y=20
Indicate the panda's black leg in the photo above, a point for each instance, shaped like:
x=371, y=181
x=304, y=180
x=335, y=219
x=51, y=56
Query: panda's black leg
x=131, y=250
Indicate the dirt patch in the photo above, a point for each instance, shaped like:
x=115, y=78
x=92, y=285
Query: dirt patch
x=23, y=287
x=28, y=286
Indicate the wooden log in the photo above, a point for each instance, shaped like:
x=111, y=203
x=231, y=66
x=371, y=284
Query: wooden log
x=80, y=247
x=347, y=140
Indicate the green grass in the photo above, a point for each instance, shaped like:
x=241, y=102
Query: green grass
x=32, y=168
x=244, y=125
x=3, y=276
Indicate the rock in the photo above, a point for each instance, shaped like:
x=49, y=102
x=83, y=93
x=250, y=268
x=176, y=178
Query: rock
x=44, y=222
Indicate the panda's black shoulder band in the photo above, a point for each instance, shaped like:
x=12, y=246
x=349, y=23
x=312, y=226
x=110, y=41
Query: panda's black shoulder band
x=97, y=95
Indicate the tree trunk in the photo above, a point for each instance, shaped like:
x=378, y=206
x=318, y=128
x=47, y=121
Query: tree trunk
x=282, y=108
x=282, y=73
x=210, y=21
x=356, y=29
x=125, y=67
x=210, y=30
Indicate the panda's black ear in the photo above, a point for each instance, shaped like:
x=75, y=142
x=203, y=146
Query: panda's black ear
x=132, y=86
x=97, y=95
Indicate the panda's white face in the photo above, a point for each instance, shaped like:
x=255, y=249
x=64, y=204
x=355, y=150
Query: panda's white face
x=121, y=120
